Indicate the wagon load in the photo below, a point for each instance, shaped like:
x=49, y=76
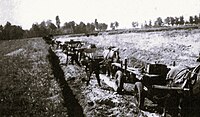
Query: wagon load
x=159, y=82
x=156, y=69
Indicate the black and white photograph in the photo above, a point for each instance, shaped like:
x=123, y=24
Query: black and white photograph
x=99, y=58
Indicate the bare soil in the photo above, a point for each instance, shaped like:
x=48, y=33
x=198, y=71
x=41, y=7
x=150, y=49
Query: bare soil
x=181, y=46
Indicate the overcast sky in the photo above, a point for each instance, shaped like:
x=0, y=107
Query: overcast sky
x=27, y=12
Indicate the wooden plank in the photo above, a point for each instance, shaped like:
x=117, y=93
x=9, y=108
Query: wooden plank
x=169, y=87
x=129, y=69
x=151, y=75
x=110, y=82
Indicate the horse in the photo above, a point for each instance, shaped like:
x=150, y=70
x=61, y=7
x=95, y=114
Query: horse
x=70, y=48
x=183, y=77
x=92, y=62
x=111, y=55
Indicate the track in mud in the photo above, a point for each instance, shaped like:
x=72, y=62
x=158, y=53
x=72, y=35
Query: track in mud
x=73, y=107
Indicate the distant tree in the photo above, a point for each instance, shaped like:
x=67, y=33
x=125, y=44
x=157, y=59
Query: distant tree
x=172, y=21
x=35, y=30
x=80, y=28
x=51, y=27
x=150, y=23
x=43, y=29
x=134, y=24
x=158, y=22
x=187, y=22
x=176, y=21
x=199, y=19
x=167, y=21
x=90, y=27
x=191, y=20
x=112, y=25
x=66, y=25
x=103, y=26
x=142, y=25
x=196, y=19
x=181, y=22
x=10, y=31
x=116, y=24
x=8, y=25
x=145, y=24
x=58, y=21
x=72, y=26
x=66, y=28
x=6, y=31
x=96, y=24
x=1, y=32
x=16, y=32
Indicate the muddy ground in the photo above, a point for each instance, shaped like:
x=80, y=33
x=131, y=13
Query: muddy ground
x=99, y=101
x=181, y=46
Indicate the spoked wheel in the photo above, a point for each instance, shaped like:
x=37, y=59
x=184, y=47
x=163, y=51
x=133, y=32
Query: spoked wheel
x=119, y=81
x=139, y=94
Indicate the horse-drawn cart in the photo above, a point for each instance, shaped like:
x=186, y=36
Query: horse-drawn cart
x=151, y=83
x=73, y=50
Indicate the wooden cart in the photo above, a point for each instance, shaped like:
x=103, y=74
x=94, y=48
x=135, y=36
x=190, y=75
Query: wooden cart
x=151, y=83
x=72, y=49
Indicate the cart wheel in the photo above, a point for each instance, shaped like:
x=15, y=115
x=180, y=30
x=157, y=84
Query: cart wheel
x=139, y=94
x=119, y=81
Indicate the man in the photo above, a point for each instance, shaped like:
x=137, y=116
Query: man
x=94, y=67
x=111, y=55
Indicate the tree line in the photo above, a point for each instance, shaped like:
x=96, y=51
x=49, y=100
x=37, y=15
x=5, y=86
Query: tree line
x=10, y=31
x=171, y=21
x=44, y=28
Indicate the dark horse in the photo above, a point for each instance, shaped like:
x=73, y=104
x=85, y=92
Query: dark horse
x=187, y=79
x=92, y=62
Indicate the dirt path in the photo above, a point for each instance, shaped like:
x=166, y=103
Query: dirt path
x=99, y=101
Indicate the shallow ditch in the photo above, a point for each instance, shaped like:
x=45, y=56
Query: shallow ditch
x=74, y=109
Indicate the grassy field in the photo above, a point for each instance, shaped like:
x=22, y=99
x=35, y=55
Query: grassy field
x=27, y=85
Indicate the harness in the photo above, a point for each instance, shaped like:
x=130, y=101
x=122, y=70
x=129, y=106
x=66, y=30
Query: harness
x=190, y=76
